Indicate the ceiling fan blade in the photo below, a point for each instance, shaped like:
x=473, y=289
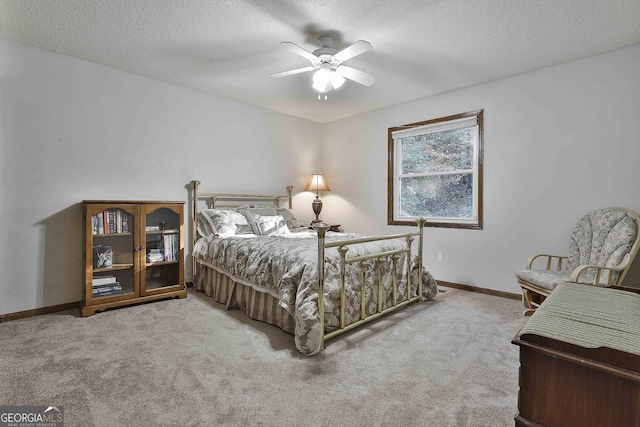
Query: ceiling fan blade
x=357, y=76
x=355, y=49
x=296, y=71
x=300, y=51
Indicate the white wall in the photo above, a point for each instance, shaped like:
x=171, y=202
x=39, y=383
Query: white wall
x=72, y=130
x=558, y=143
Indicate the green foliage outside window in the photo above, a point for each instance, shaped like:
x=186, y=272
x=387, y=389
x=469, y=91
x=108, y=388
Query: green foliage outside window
x=438, y=152
x=445, y=196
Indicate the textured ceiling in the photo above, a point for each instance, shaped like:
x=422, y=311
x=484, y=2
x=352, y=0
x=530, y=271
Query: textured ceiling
x=230, y=47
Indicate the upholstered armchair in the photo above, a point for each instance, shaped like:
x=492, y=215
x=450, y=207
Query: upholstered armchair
x=602, y=247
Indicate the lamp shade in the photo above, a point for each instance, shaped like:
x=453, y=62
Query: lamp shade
x=336, y=79
x=317, y=183
x=327, y=79
x=322, y=80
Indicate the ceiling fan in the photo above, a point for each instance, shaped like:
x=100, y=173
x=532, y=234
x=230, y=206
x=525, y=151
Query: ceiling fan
x=328, y=61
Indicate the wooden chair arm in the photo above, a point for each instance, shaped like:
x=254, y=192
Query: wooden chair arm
x=599, y=268
x=550, y=258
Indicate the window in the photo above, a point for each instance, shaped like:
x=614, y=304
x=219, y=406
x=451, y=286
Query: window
x=435, y=172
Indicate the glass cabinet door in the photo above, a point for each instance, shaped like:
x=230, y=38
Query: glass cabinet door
x=163, y=248
x=112, y=253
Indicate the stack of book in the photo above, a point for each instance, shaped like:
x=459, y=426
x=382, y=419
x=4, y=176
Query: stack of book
x=105, y=286
x=155, y=255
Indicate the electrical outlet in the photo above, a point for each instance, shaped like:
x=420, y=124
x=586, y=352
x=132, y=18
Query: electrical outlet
x=439, y=257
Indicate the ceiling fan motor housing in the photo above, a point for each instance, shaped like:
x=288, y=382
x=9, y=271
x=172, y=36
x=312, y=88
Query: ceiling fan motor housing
x=325, y=53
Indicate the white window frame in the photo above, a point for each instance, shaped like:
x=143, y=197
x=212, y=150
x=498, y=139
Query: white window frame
x=395, y=135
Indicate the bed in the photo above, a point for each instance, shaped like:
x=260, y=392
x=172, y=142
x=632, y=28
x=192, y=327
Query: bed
x=250, y=252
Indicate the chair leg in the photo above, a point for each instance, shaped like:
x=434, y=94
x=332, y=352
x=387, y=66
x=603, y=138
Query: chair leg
x=531, y=301
x=526, y=298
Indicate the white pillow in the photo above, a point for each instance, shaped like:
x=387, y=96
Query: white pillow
x=271, y=225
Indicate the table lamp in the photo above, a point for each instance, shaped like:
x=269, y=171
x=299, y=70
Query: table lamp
x=317, y=184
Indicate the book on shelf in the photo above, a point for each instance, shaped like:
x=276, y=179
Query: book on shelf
x=124, y=222
x=118, y=221
x=105, y=222
x=106, y=293
x=99, y=281
x=112, y=288
x=111, y=221
x=162, y=227
x=171, y=247
x=98, y=224
x=103, y=289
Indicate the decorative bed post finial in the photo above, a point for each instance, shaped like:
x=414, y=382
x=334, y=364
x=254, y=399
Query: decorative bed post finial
x=289, y=191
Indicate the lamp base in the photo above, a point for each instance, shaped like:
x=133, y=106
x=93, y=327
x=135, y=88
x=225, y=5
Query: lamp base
x=317, y=208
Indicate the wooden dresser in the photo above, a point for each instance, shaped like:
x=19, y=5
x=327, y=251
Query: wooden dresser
x=580, y=360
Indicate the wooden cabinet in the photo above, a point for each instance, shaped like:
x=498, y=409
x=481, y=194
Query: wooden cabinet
x=580, y=360
x=133, y=252
x=563, y=385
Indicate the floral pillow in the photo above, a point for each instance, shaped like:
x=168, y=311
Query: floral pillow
x=250, y=213
x=253, y=225
x=289, y=218
x=222, y=222
x=204, y=225
x=271, y=225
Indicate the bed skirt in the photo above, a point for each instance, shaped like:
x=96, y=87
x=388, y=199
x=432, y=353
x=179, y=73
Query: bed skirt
x=257, y=305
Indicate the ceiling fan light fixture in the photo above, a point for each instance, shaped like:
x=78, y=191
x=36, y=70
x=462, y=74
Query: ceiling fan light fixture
x=336, y=79
x=330, y=72
x=322, y=80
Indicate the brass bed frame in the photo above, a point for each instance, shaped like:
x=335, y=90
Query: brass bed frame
x=229, y=200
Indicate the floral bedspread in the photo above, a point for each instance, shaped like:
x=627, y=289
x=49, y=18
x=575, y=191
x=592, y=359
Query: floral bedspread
x=286, y=267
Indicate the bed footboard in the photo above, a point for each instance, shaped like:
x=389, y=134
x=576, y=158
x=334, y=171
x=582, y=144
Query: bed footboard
x=394, y=255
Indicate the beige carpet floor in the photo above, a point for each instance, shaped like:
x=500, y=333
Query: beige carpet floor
x=447, y=362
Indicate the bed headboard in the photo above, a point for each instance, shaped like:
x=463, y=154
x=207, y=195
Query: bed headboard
x=229, y=200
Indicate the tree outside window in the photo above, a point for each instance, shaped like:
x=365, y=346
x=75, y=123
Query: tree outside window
x=435, y=172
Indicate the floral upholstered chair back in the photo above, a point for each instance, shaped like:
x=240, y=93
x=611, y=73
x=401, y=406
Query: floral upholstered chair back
x=602, y=237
